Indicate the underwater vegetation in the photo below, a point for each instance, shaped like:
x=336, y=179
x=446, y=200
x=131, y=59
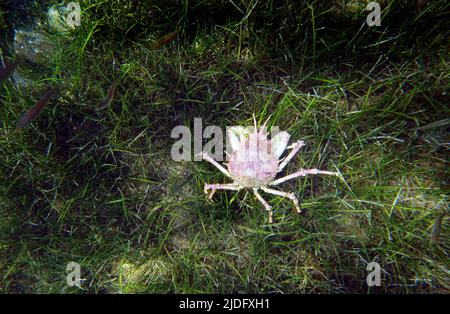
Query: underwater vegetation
x=87, y=177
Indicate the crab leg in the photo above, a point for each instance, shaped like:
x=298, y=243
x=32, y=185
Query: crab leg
x=206, y=157
x=302, y=173
x=295, y=148
x=290, y=196
x=266, y=205
x=214, y=187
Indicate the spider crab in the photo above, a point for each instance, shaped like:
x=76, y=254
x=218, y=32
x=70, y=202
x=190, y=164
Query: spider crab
x=255, y=161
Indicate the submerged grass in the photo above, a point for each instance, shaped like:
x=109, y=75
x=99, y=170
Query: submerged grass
x=99, y=187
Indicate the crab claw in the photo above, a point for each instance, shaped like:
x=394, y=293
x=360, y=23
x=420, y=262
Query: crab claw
x=279, y=143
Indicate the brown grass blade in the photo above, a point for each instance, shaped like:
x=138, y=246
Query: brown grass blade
x=109, y=97
x=31, y=114
x=9, y=68
x=164, y=40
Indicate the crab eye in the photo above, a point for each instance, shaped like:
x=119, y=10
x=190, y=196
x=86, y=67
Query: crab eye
x=279, y=143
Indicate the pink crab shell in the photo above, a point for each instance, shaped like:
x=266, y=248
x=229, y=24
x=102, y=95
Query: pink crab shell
x=254, y=159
